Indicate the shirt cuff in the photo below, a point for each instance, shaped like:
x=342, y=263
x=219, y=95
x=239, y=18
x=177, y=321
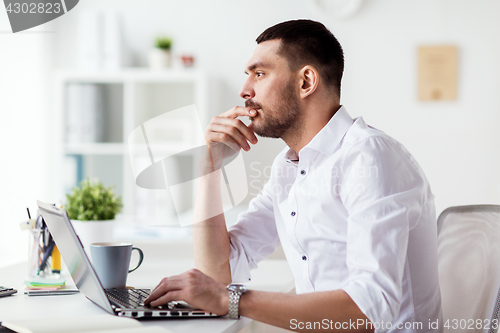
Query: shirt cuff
x=373, y=304
x=239, y=263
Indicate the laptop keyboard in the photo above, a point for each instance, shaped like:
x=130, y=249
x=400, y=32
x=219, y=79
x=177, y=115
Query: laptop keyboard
x=128, y=298
x=134, y=299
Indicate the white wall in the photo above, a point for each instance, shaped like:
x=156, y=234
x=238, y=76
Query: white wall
x=455, y=142
x=24, y=133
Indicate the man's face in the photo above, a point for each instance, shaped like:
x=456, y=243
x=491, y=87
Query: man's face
x=272, y=90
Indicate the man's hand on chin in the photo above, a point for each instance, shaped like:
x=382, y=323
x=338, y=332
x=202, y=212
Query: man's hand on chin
x=225, y=136
x=193, y=287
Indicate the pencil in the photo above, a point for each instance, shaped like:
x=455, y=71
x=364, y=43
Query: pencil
x=56, y=260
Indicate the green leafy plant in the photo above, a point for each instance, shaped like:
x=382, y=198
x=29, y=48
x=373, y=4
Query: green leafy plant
x=164, y=43
x=92, y=201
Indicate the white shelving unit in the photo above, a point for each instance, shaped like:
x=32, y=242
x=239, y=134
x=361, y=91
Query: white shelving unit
x=129, y=98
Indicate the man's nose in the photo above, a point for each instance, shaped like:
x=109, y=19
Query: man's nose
x=247, y=90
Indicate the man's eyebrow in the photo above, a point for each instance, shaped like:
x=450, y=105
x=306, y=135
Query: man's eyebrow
x=255, y=65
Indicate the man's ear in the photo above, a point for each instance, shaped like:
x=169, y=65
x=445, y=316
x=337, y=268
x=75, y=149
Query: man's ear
x=309, y=80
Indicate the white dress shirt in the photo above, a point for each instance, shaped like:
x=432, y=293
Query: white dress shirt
x=355, y=212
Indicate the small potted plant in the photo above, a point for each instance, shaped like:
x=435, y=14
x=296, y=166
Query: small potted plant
x=160, y=56
x=92, y=208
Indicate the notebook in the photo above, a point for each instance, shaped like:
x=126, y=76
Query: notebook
x=120, y=302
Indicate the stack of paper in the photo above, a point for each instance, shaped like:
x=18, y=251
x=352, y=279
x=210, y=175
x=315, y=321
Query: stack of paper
x=45, y=284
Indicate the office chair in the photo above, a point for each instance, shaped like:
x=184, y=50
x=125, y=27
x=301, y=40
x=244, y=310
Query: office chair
x=469, y=268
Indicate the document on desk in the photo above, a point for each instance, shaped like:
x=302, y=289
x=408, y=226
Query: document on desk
x=94, y=324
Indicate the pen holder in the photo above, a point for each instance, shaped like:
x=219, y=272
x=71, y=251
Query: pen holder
x=40, y=254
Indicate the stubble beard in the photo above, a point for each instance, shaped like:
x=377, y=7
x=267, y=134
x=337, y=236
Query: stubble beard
x=280, y=121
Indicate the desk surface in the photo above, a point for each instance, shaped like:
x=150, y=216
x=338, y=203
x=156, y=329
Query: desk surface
x=272, y=275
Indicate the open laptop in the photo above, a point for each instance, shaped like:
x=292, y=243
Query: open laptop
x=120, y=302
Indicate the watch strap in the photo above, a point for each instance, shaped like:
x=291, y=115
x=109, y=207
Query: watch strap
x=234, y=302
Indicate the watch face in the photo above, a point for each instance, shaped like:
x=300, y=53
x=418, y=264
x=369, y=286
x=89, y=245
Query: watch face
x=237, y=287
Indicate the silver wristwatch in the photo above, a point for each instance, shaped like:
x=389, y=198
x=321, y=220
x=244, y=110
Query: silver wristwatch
x=235, y=292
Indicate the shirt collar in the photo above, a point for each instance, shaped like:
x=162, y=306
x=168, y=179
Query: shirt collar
x=329, y=137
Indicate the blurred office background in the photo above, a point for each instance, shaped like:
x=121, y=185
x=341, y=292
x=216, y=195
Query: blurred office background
x=454, y=141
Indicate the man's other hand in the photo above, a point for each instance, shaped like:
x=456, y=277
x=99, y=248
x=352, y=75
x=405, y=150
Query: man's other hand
x=233, y=132
x=195, y=288
x=226, y=135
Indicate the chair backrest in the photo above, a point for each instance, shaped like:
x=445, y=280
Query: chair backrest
x=469, y=267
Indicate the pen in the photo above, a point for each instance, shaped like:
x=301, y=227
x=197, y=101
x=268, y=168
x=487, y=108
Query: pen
x=48, y=236
x=47, y=254
x=30, y=224
x=44, y=237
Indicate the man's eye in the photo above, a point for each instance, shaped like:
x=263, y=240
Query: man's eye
x=258, y=74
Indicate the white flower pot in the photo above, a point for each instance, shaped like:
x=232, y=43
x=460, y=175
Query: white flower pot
x=160, y=59
x=94, y=232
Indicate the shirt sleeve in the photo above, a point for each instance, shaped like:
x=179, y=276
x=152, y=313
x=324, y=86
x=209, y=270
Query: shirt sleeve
x=254, y=237
x=383, y=192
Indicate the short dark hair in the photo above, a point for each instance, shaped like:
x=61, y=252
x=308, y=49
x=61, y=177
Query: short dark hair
x=308, y=42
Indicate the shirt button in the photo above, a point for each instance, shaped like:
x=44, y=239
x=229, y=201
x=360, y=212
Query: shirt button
x=304, y=258
x=293, y=214
x=303, y=172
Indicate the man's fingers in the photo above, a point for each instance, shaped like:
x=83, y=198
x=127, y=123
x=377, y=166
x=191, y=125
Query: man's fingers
x=229, y=134
x=234, y=128
x=166, y=286
x=214, y=138
x=247, y=133
x=174, y=295
x=238, y=111
x=231, y=131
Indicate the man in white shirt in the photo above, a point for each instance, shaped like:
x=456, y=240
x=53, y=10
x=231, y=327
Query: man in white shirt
x=350, y=206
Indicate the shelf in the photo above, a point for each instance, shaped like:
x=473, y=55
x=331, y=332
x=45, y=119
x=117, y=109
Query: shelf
x=95, y=149
x=114, y=104
x=137, y=74
x=164, y=150
x=120, y=149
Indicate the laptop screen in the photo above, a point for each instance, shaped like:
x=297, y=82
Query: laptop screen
x=73, y=254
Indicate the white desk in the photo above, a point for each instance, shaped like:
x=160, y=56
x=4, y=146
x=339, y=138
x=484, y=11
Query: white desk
x=272, y=275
